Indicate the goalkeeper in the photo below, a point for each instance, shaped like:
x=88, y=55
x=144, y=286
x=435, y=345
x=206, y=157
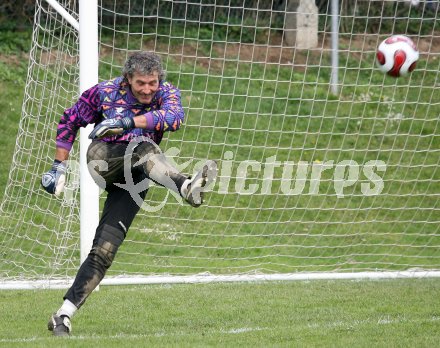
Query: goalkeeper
x=131, y=114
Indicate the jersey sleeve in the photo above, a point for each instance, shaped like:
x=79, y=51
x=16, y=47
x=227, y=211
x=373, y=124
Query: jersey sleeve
x=170, y=115
x=85, y=111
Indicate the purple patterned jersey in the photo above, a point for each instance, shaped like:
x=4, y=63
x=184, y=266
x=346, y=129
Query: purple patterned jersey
x=113, y=99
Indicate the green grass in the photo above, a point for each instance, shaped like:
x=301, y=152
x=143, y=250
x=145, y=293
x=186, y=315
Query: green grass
x=14, y=46
x=387, y=313
x=12, y=77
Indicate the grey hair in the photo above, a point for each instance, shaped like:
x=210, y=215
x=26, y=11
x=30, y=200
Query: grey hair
x=144, y=63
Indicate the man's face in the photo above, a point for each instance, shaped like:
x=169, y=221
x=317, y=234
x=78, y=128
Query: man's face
x=144, y=87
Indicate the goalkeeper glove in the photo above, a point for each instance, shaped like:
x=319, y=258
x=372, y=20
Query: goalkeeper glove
x=53, y=181
x=111, y=126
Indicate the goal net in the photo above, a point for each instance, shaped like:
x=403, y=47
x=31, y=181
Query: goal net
x=326, y=166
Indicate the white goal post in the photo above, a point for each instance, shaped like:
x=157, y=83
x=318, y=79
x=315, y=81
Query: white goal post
x=328, y=169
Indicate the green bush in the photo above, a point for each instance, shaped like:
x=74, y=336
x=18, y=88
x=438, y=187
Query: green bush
x=380, y=17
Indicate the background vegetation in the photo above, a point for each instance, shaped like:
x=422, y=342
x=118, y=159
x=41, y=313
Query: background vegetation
x=18, y=15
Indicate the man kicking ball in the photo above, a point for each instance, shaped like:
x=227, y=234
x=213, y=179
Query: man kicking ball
x=131, y=114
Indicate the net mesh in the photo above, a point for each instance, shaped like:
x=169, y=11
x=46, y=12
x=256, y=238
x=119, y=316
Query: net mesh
x=309, y=181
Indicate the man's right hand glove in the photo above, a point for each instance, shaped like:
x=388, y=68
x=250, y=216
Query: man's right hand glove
x=111, y=126
x=53, y=181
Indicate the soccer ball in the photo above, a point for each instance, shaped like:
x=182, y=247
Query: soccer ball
x=397, y=56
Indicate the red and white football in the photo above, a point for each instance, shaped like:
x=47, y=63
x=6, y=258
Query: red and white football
x=397, y=56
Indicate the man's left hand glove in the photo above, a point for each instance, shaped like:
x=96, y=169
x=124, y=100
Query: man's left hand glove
x=111, y=126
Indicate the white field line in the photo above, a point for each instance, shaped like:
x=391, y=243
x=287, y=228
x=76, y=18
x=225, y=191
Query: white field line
x=243, y=329
x=382, y=320
x=130, y=336
x=209, y=278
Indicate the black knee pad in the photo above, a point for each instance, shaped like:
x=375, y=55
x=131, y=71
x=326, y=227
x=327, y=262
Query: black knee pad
x=107, y=242
x=146, y=153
